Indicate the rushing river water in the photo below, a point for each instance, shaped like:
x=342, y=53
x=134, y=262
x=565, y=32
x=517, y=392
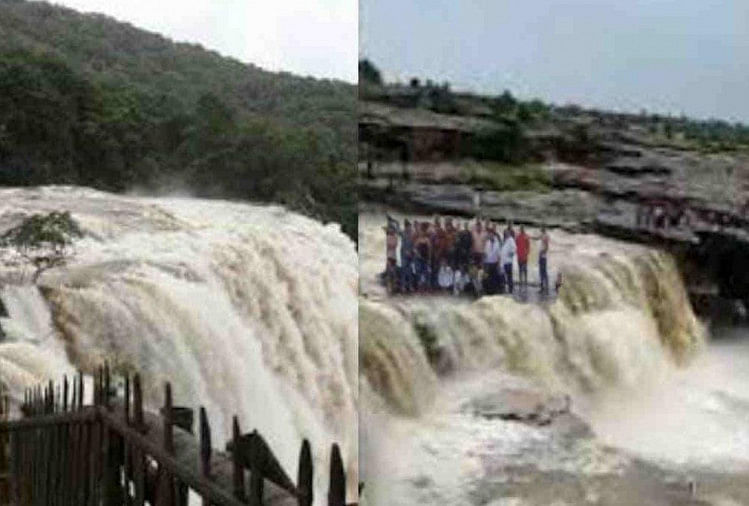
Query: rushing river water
x=248, y=310
x=660, y=408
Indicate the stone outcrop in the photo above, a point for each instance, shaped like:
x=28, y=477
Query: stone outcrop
x=603, y=182
x=530, y=407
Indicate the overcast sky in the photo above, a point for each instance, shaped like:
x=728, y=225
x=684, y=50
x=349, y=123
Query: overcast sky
x=669, y=56
x=307, y=37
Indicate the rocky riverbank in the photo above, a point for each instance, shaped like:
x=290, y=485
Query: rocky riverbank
x=619, y=180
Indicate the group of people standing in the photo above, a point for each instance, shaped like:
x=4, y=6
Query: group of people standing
x=478, y=259
x=653, y=214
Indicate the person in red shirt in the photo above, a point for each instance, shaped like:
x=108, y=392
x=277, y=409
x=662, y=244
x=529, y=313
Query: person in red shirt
x=523, y=245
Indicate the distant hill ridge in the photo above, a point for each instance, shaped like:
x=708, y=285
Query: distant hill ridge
x=110, y=50
x=86, y=99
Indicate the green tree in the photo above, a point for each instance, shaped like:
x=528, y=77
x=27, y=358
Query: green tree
x=505, y=103
x=369, y=73
x=504, y=143
x=668, y=129
x=43, y=240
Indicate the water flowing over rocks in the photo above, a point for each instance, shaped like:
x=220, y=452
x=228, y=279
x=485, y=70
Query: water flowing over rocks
x=246, y=309
x=647, y=411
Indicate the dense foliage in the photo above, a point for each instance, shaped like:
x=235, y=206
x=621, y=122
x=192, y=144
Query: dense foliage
x=88, y=100
x=505, y=143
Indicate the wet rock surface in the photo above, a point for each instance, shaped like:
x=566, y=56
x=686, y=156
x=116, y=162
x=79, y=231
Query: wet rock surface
x=569, y=209
x=527, y=406
x=626, y=481
x=638, y=483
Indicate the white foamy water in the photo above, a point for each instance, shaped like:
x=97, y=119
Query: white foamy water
x=32, y=351
x=621, y=338
x=441, y=456
x=249, y=310
x=695, y=417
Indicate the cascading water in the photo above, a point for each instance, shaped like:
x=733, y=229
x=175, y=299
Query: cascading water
x=247, y=310
x=31, y=351
x=621, y=328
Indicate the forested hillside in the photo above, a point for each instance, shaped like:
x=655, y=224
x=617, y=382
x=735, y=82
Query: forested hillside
x=87, y=100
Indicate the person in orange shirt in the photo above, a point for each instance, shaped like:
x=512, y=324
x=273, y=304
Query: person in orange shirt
x=523, y=244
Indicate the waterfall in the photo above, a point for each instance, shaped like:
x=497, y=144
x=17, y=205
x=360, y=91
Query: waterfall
x=30, y=352
x=648, y=390
x=248, y=310
x=393, y=359
x=622, y=317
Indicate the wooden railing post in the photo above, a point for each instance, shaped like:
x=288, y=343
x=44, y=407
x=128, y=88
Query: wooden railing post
x=181, y=417
x=139, y=459
x=238, y=469
x=66, y=450
x=127, y=399
x=16, y=464
x=257, y=461
x=127, y=449
x=65, y=394
x=337, y=489
x=95, y=470
x=113, y=494
x=205, y=448
x=4, y=446
x=80, y=390
x=51, y=398
x=305, y=476
x=107, y=386
x=168, y=425
x=166, y=495
x=138, y=404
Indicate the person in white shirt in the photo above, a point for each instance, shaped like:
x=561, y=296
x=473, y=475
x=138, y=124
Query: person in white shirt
x=459, y=282
x=445, y=276
x=507, y=257
x=492, y=251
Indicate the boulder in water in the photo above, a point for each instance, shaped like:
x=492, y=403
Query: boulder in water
x=528, y=406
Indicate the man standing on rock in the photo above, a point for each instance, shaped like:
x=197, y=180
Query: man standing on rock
x=407, y=254
x=510, y=229
x=508, y=257
x=439, y=248
x=478, y=237
x=451, y=236
x=524, y=247
x=463, y=248
x=391, y=267
x=491, y=263
x=422, y=257
x=542, y=261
